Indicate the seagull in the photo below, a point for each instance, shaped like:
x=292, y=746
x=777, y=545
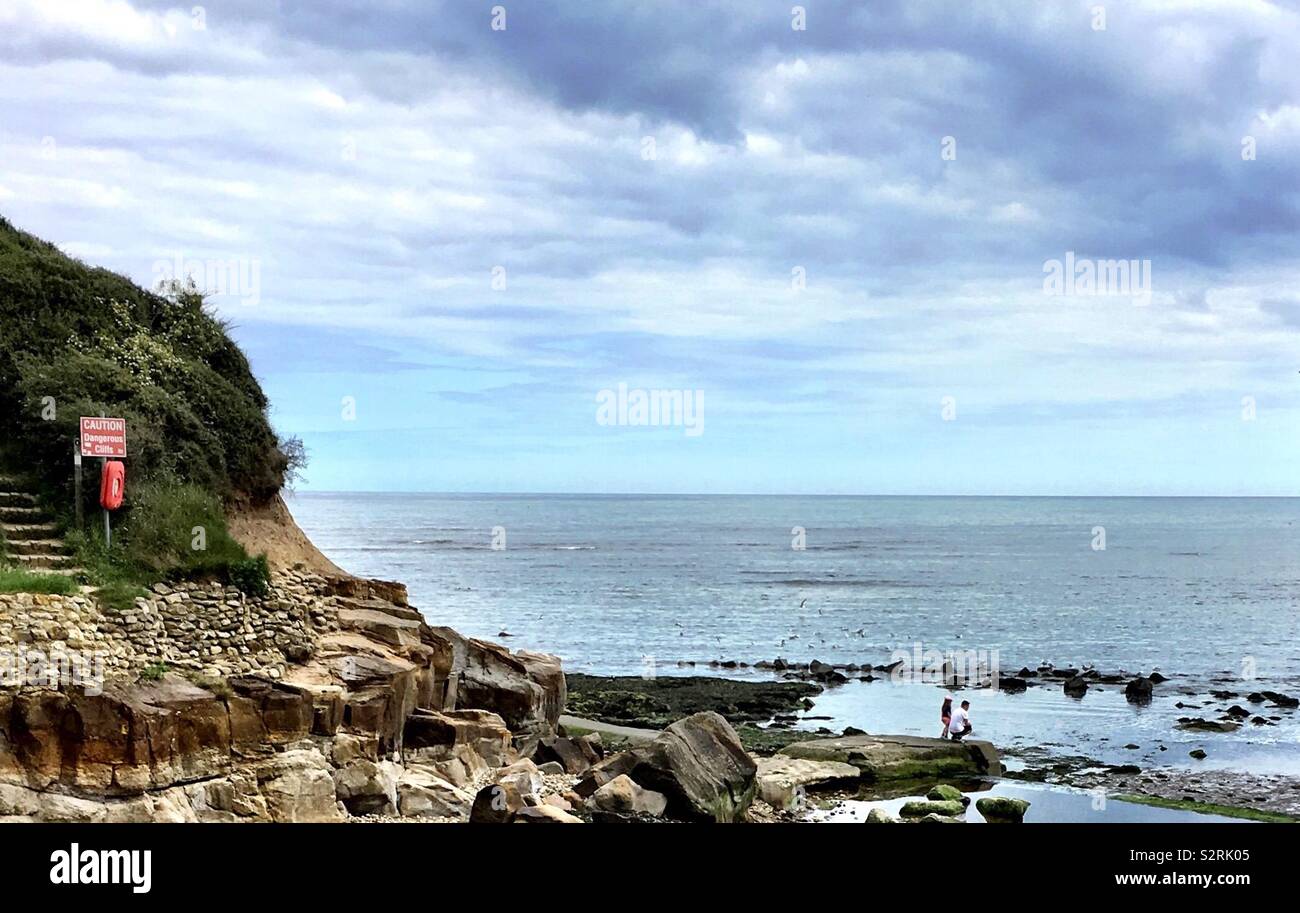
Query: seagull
x=802, y=603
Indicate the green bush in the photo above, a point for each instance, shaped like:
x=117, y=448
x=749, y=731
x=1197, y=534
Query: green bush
x=119, y=596
x=154, y=672
x=252, y=576
x=167, y=530
x=97, y=344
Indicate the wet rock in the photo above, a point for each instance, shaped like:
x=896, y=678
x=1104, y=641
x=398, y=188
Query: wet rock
x=1075, y=687
x=880, y=816
x=1138, y=691
x=1281, y=700
x=945, y=793
x=923, y=807
x=657, y=703
x=1014, y=685
x=1002, y=810
x=1197, y=753
x=1197, y=724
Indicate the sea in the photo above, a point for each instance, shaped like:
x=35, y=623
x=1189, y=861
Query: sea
x=1205, y=591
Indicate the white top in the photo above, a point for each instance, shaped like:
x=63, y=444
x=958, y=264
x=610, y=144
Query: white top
x=958, y=721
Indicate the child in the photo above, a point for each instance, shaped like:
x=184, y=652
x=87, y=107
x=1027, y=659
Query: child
x=945, y=714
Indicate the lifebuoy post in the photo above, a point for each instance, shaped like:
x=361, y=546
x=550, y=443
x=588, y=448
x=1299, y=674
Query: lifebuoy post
x=105, y=438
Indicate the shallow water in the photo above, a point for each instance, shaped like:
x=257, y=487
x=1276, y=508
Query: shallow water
x=1055, y=804
x=1205, y=590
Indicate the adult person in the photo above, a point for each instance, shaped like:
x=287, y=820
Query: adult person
x=959, y=726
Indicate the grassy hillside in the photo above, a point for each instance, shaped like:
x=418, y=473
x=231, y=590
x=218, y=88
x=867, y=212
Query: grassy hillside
x=77, y=340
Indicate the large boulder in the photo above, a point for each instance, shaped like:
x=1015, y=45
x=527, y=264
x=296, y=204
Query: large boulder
x=698, y=763
x=574, y=755
x=462, y=744
x=782, y=780
x=297, y=787
x=496, y=804
x=423, y=794
x=622, y=796
x=367, y=787
x=527, y=690
x=523, y=776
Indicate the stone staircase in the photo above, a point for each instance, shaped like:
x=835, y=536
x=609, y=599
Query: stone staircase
x=31, y=538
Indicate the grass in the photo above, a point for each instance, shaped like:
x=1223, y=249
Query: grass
x=217, y=686
x=1210, y=808
x=171, y=531
x=154, y=672
x=120, y=596
x=16, y=580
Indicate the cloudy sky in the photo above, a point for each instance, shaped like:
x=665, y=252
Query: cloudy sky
x=450, y=230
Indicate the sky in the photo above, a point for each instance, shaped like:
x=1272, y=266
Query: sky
x=854, y=238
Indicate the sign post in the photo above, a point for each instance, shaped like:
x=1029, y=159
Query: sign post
x=104, y=438
x=76, y=464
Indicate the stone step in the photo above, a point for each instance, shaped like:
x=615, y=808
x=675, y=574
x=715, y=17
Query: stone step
x=30, y=530
x=22, y=514
x=27, y=562
x=36, y=547
x=16, y=498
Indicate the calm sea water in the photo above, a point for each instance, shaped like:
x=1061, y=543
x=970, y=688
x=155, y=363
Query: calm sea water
x=1201, y=589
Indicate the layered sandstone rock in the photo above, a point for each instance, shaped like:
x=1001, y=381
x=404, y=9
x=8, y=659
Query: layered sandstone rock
x=364, y=709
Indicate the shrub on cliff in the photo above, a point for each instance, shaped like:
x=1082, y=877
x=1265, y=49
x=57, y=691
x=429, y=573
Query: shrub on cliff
x=76, y=340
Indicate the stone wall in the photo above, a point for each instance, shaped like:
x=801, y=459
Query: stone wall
x=201, y=628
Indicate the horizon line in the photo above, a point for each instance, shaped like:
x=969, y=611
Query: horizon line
x=693, y=494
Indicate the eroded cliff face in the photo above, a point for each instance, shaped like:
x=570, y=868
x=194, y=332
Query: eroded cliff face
x=371, y=711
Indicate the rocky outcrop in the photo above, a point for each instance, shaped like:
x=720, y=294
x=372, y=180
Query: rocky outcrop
x=698, y=763
x=896, y=757
x=783, y=781
x=526, y=689
x=379, y=714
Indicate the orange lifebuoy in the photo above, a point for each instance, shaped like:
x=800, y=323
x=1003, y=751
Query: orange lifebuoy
x=112, y=485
